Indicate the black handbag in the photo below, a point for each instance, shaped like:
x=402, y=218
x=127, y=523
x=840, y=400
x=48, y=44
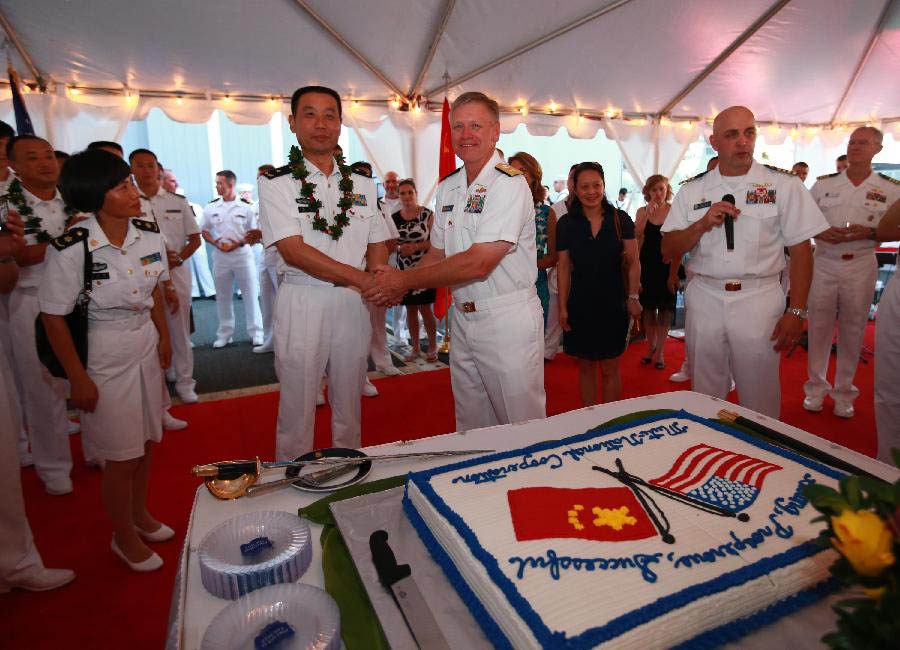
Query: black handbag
x=76, y=320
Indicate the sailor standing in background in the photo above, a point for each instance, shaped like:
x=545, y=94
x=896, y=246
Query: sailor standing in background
x=735, y=305
x=269, y=279
x=887, y=350
x=175, y=219
x=227, y=225
x=843, y=285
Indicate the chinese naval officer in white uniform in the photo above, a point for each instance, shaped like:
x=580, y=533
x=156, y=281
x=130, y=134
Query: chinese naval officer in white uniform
x=321, y=321
x=483, y=246
x=228, y=223
x=175, y=219
x=843, y=285
x=736, y=315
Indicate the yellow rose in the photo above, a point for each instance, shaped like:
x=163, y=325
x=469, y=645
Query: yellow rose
x=865, y=540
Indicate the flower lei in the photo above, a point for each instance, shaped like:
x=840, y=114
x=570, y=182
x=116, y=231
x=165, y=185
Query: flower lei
x=16, y=196
x=307, y=190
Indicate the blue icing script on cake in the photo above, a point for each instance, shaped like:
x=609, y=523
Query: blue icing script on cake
x=665, y=531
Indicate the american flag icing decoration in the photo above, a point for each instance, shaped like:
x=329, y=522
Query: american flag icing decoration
x=717, y=476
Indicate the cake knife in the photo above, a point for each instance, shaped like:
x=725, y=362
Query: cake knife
x=398, y=578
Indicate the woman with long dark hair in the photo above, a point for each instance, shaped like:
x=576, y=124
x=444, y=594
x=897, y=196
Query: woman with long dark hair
x=599, y=276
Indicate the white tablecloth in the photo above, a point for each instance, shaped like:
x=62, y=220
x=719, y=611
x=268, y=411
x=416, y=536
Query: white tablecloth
x=193, y=607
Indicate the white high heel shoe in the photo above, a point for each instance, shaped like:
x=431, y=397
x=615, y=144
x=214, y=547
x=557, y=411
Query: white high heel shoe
x=161, y=534
x=152, y=563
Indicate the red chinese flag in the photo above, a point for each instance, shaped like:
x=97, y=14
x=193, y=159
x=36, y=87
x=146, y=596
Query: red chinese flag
x=600, y=514
x=446, y=164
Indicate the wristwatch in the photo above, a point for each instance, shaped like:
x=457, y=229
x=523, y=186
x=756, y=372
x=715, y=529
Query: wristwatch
x=633, y=296
x=802, y=314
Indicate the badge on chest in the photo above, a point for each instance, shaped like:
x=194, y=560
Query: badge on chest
x=474, y=203
x=146, y=260
x=877, y=196
x=759, y=195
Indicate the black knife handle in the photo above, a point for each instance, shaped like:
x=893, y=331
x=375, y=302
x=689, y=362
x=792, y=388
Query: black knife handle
x=389, y=572
x=231, y=471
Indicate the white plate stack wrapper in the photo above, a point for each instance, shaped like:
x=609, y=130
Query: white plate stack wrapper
x=253, y=551
x=283, y=617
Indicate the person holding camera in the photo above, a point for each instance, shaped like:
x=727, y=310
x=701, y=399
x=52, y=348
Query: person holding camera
x=120, y=390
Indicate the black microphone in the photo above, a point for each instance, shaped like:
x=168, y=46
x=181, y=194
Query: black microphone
x=729, y=224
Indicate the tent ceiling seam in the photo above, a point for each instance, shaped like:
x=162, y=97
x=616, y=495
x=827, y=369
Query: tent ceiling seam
x=530, y=46
x=723, y=56
x=857, y=72
x=352, y=50
x=17, y=43
x=439, y=33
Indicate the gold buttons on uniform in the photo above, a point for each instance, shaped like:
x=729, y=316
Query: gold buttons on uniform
x=134, y=291
x=130, y=271
x=123, y=252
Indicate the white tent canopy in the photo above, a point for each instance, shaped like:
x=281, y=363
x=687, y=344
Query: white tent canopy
x=651, y=73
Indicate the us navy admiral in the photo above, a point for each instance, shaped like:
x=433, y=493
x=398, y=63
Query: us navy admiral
x=735, y=303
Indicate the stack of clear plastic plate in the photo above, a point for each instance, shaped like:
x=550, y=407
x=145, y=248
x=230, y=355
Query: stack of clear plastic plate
x=252, y=551
x=283, y=617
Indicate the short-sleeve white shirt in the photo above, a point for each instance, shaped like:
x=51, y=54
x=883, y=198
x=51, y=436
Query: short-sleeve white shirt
x=842, y=201
x=229, y=220
x=494, y=207
x=53, y=219
x=283, y=213
x=123, y=279
x=173, y=215
x=776, y=211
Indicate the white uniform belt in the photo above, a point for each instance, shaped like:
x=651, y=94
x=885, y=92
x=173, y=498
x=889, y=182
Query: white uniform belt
x=835, y=253
x=305, y=281
x=485, y=304
x=129, y=324
x=742, y=284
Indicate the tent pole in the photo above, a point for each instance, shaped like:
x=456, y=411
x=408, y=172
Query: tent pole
x=14, y=39
x=727, y=52
x=442, y=27
x=530, y=46
x=347, y=46
x=879, y=27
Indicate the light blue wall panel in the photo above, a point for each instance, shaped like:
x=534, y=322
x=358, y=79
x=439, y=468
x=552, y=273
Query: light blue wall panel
x=184, y=148
x=244, y=148
x=135, y=137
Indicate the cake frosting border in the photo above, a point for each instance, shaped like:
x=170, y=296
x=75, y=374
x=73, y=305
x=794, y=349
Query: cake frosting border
x=618, y=626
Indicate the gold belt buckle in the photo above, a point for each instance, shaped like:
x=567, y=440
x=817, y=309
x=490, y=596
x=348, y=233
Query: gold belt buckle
x=468, y=307
x=732, y=285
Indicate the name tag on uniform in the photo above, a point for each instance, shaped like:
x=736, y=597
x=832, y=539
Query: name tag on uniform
x=474, y=203
x=358, y=199
x=875, y=195
x=447, y=208
x=760, y=195
x=175, y=211
x=702, y=205
x=305, y=205
x=240, y=216
x=99, y=266
x=99, y=276
x=150, y=259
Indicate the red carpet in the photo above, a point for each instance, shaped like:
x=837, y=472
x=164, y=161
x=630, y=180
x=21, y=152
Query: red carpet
x=108, y=606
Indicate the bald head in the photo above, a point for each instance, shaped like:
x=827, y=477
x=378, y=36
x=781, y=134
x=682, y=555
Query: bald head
x=734, y=139
x=392, y=185
x=864, y=144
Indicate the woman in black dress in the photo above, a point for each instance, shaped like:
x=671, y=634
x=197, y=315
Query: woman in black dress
x=595, y=243
x=659, y=280
x=414, y=226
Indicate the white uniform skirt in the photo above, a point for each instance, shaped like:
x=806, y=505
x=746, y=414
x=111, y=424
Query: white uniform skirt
x=123, y=362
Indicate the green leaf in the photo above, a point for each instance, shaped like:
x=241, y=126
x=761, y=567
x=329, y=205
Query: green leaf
x=818, y=491
x=850, y=490
x=319, y=513
x=895, y=453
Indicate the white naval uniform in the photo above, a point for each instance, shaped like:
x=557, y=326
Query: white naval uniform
x=497, y=362
x=733, y=328
x=887, y=370
x=201, y=276
x=843, y=284
x=175, y=219
x=43, y=397
x=123, y=357
x=397, y=312
x=378, y=349
x=553, y=330
x=319, y=328
x=230, y=220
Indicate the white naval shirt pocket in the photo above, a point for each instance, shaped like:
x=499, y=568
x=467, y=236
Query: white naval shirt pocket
x=106, y=287
x=759, y=231
x=829, y=201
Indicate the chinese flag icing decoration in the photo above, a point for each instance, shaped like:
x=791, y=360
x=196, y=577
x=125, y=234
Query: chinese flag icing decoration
x=600, y=514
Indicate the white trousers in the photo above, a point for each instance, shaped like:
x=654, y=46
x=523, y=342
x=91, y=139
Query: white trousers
x=887, y=371
x=497, y=363
x=236, y=266
x=268, y=289
x=319, y=330
x=841, y=290
x=43, y=396
x=18, y=556
x=15, y=385
x=381, y=356
x=553, y=330
x=180, y=330
x=201, y=277
x=732, y=330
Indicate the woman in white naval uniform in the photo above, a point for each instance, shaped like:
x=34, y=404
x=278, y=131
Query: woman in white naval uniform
x=20, y=562
x=120, y=391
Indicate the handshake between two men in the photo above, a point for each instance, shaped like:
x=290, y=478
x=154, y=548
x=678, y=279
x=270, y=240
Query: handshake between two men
x=385, y=286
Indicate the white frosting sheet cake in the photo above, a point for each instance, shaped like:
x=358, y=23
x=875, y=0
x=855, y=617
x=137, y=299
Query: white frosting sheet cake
x=668, y=530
